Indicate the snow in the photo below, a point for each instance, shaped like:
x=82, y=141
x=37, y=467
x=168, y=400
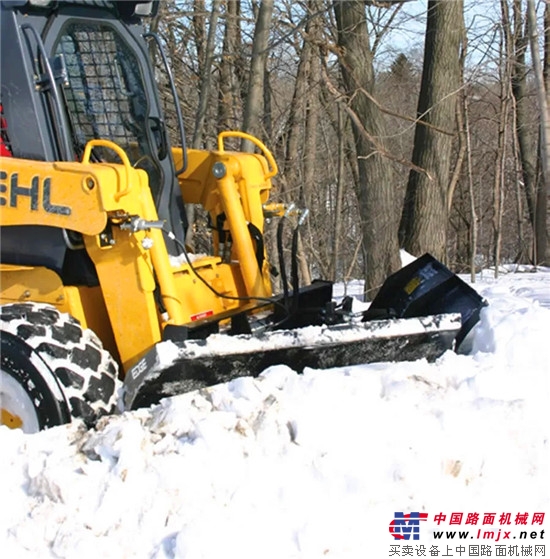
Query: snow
x=302, y=466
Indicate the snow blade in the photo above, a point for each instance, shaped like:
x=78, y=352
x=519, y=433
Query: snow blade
x=170, y=368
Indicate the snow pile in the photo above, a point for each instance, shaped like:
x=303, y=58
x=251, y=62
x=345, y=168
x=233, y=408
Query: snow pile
x=288, y=465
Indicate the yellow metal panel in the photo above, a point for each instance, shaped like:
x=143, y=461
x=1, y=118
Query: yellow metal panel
x=10, y=420
x=198, y=300
x=26, y=283
x=86, y=304
x=127, y=282
x=41, y=193
x=196, y=181
x=70, y=195
x=117, y=187
x=242, y=240
x=240, y=195
x=199, y=186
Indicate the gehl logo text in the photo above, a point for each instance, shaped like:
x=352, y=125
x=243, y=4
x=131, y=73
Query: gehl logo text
x=12, y=194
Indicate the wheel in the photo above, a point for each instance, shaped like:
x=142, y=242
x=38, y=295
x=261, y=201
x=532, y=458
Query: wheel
x=52, y=370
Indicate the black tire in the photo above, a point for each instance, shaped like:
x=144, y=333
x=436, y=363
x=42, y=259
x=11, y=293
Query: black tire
x=61, y=370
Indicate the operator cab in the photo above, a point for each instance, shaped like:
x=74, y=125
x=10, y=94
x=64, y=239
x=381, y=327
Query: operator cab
x=83, y=73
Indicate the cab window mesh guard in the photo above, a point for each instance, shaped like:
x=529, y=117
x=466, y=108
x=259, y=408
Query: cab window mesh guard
x=105, y=96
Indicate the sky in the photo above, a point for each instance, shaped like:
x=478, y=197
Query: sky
x=339, y=463
x=482, y=19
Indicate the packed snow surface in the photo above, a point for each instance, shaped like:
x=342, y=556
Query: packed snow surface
x=300, y=466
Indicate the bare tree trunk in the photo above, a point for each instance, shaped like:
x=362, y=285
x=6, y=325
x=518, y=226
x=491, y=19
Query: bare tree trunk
x=199, y=28
x=254, y=98
x=313, y=32
x=543, y=187
x=546, y=62
x=526, y=145
x=500, y=158
x=463, y=125
x=543, y=198
x=471, y=194
x=205, y=49
x=302, y=125
x=498, y=186
x=230, y=86
x=375, y=192
x=337, y=227
x=346, y=154
x=205, y=86
x=523, y=249
x=199, y=34
x=297, y=143
x=296, y=116
x=267, y=119
x=527, y=148
x=424, y=218
x=455, y=177
x=541, y=94
x=312, y=110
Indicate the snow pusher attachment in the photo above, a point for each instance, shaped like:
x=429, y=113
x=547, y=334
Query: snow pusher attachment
x=420, y=312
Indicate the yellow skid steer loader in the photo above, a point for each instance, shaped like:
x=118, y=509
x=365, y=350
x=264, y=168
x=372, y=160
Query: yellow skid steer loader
x=97, y=285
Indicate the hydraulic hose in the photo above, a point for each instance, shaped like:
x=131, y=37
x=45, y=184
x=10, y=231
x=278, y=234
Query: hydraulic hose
x=282, y=265
x=295, y=276
x=294, y=270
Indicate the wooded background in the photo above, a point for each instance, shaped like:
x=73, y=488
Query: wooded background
x=415, y=125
